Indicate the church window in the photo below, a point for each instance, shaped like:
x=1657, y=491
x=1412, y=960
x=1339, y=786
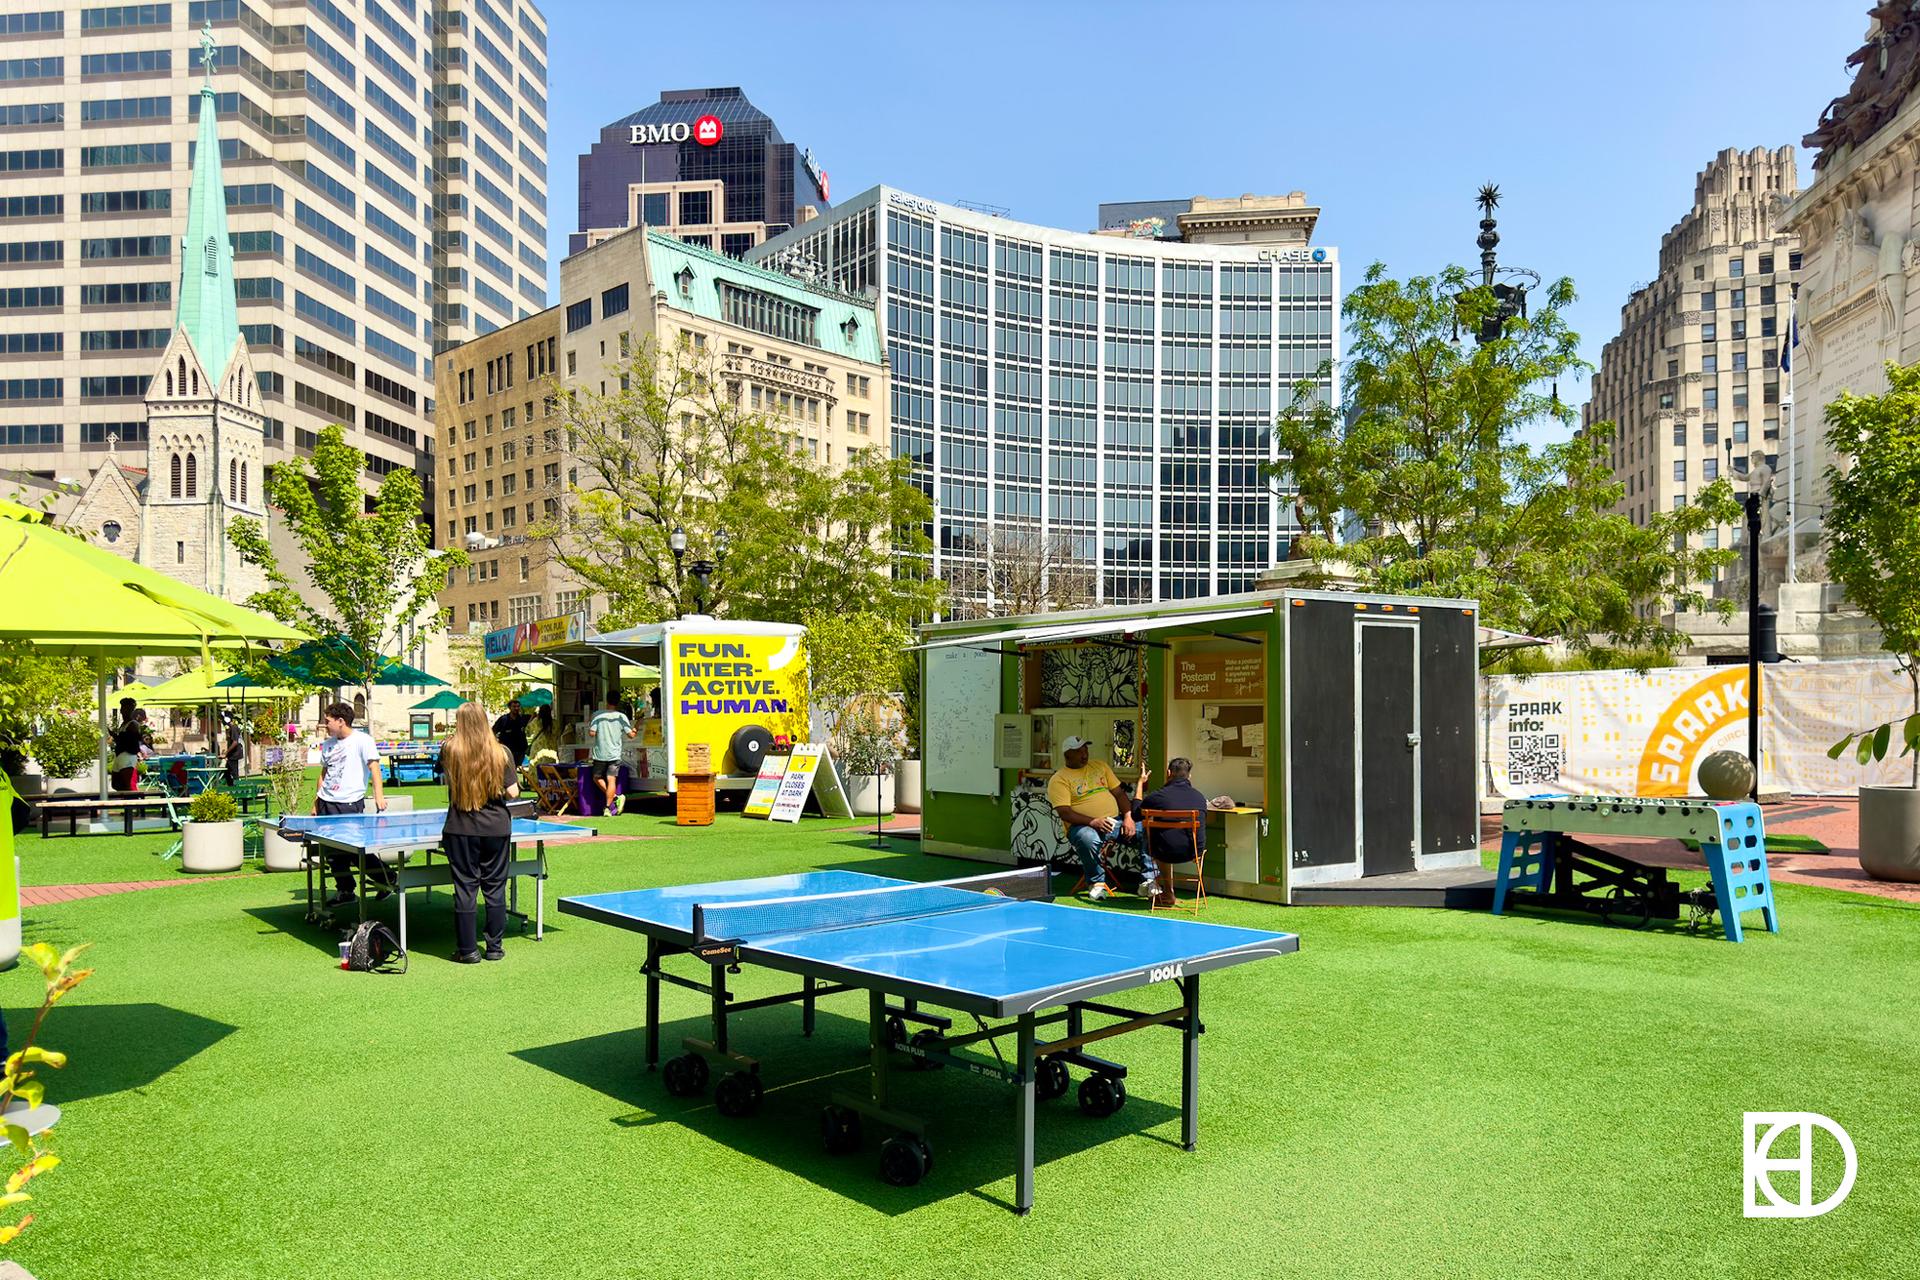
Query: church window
x=213, y=256
x=169, y=382
x=173, y=489
x=110, y=531
x=179, y=553
x=243, y=482
x=193, y=476
x=233, y=478
x=183, y=375
x=196, y=382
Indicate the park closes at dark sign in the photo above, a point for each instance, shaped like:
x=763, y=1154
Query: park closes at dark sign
x=1229, y=676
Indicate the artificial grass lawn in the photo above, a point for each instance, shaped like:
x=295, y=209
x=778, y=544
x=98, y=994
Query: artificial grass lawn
x=1414, y=1093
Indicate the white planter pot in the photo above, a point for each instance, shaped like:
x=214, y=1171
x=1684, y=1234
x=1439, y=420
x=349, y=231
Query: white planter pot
x=862, y=794
x=212, y=846
x=278, y=854
x=1890, y=833
x=907, y=786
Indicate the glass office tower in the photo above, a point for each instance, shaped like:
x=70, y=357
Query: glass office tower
x=1113, y=392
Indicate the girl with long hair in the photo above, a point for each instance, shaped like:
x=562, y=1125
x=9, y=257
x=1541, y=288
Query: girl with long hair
x=480, y=780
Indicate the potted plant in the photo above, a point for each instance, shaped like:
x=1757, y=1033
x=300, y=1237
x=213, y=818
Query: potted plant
x=1873, y=551
x=866, y=741
x=285, y=767
x=908, y=775
x=213, y=837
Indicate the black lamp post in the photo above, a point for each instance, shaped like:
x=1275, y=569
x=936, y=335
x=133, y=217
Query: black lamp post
x=701, y=571
x=677, y=543
x=1760, y=631
x=1510, y=299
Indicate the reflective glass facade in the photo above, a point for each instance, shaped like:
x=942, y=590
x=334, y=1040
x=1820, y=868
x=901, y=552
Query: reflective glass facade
x=1114, y=392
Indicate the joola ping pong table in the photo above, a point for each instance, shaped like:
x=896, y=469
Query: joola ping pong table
x=394, y=839
x=985, y=947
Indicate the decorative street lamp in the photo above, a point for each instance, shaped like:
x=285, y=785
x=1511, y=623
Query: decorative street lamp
x=1762, y=623
x=677, y=543
x=701, y=570
x=1510, y=299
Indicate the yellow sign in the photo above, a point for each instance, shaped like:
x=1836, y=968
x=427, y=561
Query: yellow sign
x=715, y=685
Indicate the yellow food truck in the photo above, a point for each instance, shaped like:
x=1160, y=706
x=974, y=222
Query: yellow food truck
x=730, y=687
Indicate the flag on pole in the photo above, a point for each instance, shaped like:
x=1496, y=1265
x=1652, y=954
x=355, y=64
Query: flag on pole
x=1786, y=347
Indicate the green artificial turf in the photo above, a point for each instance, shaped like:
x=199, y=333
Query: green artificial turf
x=1416, y=1093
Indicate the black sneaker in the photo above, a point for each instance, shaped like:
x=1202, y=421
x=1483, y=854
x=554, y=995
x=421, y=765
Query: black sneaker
x=339, y=899
x=466, y=957
x=383, y=892
x=495, y=952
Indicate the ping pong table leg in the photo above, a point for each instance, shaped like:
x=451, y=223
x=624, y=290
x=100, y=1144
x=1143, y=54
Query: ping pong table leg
x=806, y=1006
x=401, y=893
x=1023, y=1118
x=652, y=970
x=1190, y=1064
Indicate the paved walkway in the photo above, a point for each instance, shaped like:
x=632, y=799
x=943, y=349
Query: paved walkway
x=39, y=895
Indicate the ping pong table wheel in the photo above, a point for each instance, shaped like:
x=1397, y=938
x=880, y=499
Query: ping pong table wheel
x=1102, y=1095
x=896, y=1030
x=738, y=1094
x=928, y=1039
x=904, y=1160
x=839, y=1129
x=685, y=1076
x=1051, y=1079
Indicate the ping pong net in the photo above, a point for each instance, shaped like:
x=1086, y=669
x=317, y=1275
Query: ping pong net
x=734, y=922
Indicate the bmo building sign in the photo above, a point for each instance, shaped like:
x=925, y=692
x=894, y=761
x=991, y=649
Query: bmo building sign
x=706, y=131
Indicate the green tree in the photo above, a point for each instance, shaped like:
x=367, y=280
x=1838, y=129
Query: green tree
x=372, y=567
x=853, y=665
x=674, y=447
x=33, y=690
x=1426, y=456
x=1872, y=529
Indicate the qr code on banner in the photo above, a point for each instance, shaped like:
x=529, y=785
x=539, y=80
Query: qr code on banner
x=1534, y=757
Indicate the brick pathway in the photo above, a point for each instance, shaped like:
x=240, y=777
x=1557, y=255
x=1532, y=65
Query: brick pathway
x=39, y=895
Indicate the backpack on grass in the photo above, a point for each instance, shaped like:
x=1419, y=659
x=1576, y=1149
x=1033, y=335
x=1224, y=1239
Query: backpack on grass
x=374, y=949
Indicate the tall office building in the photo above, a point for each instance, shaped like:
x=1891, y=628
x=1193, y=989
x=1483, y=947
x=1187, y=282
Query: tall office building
x=385, y=184
x=1695, y=368
x=705, y=165
x=1112, y=395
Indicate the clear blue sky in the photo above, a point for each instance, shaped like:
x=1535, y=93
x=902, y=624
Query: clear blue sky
x=1593, y=117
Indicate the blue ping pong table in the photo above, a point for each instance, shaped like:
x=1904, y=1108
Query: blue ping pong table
x=393, y=839
x=985, y=947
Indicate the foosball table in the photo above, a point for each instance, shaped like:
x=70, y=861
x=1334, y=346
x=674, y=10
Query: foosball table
x=1544, y=864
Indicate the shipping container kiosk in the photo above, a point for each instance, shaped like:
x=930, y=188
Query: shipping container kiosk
x=1343, y=727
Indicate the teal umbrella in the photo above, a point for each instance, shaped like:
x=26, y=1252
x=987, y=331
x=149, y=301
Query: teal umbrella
x=332, y=662
x=535, y=698
x=445, y=700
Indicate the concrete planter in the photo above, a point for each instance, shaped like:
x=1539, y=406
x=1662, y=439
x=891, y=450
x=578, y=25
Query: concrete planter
x=866, y=800
x=278, y=854
x=907, y=786
x=1890, y=833
x=212, y=846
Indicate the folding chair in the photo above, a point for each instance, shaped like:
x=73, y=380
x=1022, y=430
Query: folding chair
x=1194, y=824
x=552, y=788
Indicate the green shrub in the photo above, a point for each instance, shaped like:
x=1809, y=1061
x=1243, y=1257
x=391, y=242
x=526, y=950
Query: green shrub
x=68, y=742
x=213, y=806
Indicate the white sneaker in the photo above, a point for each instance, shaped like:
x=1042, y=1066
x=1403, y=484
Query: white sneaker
x=1098, y=891
x=1150, y=888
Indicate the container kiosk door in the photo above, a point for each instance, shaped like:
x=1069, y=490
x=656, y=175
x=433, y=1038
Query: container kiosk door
x=1386, y=712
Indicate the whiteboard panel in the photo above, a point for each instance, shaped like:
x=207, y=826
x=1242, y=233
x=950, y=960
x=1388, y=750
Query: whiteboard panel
x=963, y=696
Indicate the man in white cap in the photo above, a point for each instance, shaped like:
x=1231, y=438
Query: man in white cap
x=1094, y=809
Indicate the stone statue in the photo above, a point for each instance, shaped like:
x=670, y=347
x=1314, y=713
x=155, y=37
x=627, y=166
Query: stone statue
x=1889, y=71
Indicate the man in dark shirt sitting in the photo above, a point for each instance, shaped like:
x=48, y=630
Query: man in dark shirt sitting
x=1179, y=795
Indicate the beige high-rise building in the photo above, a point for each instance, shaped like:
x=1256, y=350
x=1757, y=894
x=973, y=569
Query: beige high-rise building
x=1695, y=368
x=385, y=170
x=808, y=356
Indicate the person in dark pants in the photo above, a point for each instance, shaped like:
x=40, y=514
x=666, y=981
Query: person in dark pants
x=349, y=762
x=129, y=735
x=511, y=730
x=480, y=780
x=1179, y=795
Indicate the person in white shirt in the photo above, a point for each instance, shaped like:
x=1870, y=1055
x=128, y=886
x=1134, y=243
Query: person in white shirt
x=349, y=762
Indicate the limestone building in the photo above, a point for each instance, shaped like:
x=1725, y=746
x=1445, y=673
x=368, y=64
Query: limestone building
x=808, y=356
x=1692, y=383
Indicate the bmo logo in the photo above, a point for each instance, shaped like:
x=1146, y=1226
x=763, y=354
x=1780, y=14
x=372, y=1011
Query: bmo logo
x=706, y=131
x=1166, y=972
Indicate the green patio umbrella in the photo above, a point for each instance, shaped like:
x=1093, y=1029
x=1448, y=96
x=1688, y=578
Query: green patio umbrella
x=194, y=688
x=445, y=700
x=332, y=662
x=535, y=698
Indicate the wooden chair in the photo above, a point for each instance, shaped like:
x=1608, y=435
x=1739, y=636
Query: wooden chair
x=552, y=788
x=1194, y=824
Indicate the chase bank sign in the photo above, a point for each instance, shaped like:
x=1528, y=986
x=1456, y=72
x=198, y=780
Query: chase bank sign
x=1294, y=257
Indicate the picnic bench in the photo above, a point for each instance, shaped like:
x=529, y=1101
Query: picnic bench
x=128, y=806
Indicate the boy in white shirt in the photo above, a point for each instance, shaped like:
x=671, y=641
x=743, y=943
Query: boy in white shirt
x=348, y=763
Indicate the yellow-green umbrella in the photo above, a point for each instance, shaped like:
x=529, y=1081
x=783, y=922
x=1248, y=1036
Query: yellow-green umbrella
x=191, y=689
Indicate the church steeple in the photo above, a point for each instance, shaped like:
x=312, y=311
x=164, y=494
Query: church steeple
x=207, y=310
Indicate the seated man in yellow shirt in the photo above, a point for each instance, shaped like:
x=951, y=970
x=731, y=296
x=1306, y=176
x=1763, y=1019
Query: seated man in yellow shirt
x=1093, y=808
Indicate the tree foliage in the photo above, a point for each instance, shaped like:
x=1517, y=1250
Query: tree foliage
x=33, y=689
x=674, y=447
x=1426, y=455
x=372, y=568
x=853, y=664
x=1022, y=571
x=1872, y=529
